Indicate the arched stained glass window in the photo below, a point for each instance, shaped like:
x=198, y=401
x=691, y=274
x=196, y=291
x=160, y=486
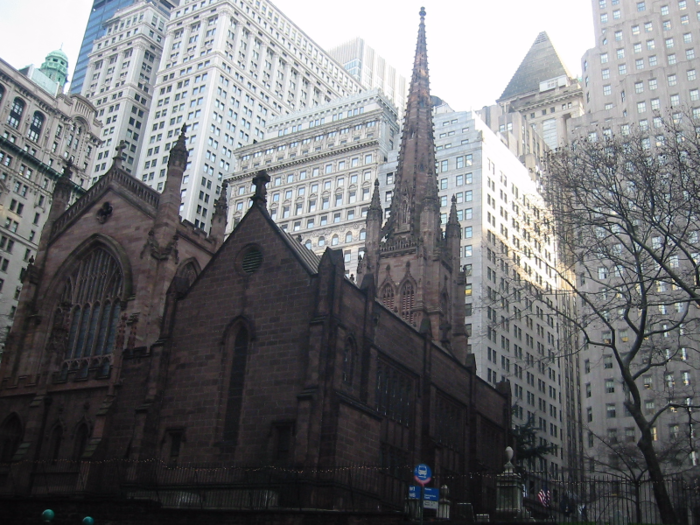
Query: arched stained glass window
x=92, y=295
x=55, y=442
x=348, y=361
x=10, y=438
x=80, y=442
x=235, y=388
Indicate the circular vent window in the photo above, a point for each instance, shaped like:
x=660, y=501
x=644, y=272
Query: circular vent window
x=252, y=260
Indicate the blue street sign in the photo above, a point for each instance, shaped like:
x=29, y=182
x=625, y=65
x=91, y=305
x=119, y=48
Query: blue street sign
x=428, y=495
x=422, y=474
x=431, y=494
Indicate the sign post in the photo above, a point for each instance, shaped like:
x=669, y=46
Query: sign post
x=422, y=474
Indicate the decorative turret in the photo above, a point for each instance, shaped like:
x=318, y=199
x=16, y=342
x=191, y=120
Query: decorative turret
x=169, y=204
x=56, y=67
x=220, y=216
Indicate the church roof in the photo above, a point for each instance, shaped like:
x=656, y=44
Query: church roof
x=309, y=259
x=541, y=63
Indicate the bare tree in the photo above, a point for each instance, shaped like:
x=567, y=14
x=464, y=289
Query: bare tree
x=626, y=209
x=625, y=473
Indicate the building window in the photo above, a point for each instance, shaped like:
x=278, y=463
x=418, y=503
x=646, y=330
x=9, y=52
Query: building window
x=348, y=361
x=91, y=300
x=610, y=410
x=16, y=113
x=10, y=433
x=236, y=383
x=35, y=127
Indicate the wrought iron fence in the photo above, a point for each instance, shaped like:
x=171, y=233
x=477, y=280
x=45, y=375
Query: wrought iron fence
x=359, y=488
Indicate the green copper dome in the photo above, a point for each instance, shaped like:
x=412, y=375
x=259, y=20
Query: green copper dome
x=56, y=66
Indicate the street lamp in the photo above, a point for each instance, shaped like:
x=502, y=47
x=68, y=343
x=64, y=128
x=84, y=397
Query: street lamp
x=47, y=516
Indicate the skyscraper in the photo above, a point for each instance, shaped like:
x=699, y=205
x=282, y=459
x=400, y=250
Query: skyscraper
x=121, y=74
x=644, y=66
x=225, y=72
x=371, y=70
x=643, y=71
x=103, y=10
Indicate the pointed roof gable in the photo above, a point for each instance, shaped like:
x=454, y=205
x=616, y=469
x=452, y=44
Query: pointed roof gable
x=115, y=177
x=542, y=62
x=415, y=173
x=308, y=259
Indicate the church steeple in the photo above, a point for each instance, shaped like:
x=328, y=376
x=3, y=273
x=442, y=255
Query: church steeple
x=414, y=266
x=415, y=174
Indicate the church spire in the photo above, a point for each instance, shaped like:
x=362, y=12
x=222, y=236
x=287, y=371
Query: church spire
x=413, y=266
x=416, y=184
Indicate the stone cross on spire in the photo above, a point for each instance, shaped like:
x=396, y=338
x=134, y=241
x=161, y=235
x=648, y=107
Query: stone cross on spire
x=260, y=181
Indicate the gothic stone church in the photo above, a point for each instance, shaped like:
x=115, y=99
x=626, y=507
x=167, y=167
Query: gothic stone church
x=141, y=340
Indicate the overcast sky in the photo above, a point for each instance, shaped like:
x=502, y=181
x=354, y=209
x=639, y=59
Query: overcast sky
x=474, y=46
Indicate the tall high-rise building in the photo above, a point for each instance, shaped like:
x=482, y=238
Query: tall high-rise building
x=321, y=173
x=644, y=66
x=102, y=11
x=121, y=74
x=371, y=70
x=39, y=133
x=644, y=70
x=226, y=70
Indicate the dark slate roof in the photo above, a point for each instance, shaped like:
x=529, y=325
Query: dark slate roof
x=308, y=258
x=541, y=63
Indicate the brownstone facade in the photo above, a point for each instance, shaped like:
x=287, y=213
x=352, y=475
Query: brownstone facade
x=148, y=355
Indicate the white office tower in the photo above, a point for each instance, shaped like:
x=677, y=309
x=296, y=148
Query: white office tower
x=228, y=67
x=372, y=70
x=508, y=253
x=644, y=68
x=322, y=164
x=120, y=78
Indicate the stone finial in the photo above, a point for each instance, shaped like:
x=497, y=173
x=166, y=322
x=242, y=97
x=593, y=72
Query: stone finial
x=67, y=171
x=260, y=181
x=422, y=13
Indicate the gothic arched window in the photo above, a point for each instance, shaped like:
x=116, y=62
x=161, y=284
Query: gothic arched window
x=91, y=302
x=10, y=438
x=387, y=296
x=236, y=383
x=80, y=442
x=55, y=442
x=348, y=360
x=408, y=297
x=35, y=127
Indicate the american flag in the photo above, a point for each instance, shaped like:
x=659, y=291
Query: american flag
x=544, y=496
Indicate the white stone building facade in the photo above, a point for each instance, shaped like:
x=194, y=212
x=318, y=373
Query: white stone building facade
x=39, y=133
x=120, y=78
x=228, y=68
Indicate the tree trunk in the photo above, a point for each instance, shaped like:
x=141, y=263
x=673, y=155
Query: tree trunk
x=663, y=500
